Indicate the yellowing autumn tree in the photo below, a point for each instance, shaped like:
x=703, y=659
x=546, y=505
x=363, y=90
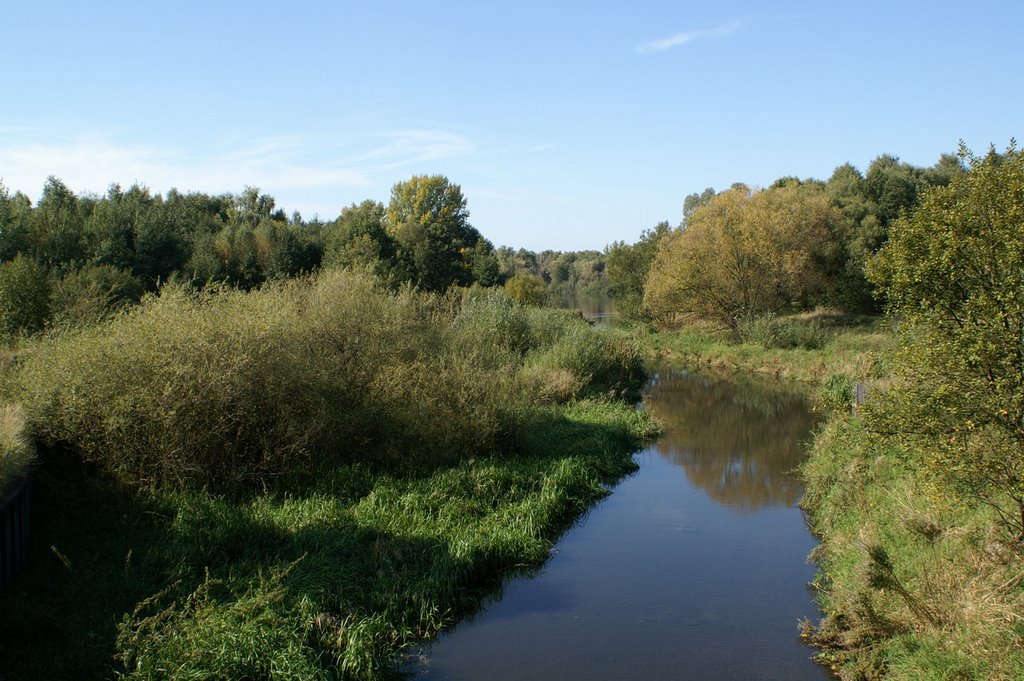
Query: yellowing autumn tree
x=743, y=253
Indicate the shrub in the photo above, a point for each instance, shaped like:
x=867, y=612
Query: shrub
x=773, y=332
x=599, y=362
x=491, y=329
x=952, y=272
x=528, y=289
x=835, y=394
x=24, y=296
x=90, y=294
x=225, y=388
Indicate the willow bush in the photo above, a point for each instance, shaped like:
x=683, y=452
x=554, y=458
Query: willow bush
x=226, y=388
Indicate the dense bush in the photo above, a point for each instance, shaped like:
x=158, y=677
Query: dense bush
x=24, y=296
x=227, y=388
x=89, y=294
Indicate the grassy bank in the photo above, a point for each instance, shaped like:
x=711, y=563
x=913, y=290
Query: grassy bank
x=916, y=583
x=807, y=347
x=327, y=581
x=297, y=482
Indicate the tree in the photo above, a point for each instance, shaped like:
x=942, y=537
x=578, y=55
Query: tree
x=358, y=238
x=484, y=263
x=694, y=201
x=627, y=267
x=743, y=253
x=24, y=296
x=953, y=273
x=15, y=226
x=428, y=219
x=528, y=289
x=58, y=239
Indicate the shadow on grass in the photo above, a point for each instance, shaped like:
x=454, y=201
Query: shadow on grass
x=99, y=551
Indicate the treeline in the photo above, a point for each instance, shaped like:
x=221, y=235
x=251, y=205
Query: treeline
x=798, y=244
x=71, y=259
x=558, y=274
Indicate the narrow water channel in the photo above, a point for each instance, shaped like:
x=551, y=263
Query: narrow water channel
x=693, y=568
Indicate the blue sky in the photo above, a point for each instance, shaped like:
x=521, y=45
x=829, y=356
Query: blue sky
x=569, y=125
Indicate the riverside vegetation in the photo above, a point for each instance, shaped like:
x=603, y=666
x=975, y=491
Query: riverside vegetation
x=299, y=480
x=373, y=450
x=918, y=494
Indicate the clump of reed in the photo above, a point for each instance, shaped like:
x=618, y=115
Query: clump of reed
x=17, y=452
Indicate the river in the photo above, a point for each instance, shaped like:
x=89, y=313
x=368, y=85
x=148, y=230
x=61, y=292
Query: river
x=692, y=568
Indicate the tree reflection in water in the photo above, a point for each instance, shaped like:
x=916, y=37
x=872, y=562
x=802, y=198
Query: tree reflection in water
x=739, y=440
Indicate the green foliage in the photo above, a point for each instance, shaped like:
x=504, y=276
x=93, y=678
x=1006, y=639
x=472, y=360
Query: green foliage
x=428, y=219
x=854, y=346
x=566, y=274
x=694, y=201
x=87, y=295
x=835, y=394
x=15, y=224
x=913, y=584
x=326, y=579
x=868, y=204
x=492, y=329
x=581, y=361
x=24, y=296
x=627, y=269
x=58, y=238
x=953, y=273
x=358, y=238
x=214, y=633
x=229, y=389
x=527, y=289
x=773, y=332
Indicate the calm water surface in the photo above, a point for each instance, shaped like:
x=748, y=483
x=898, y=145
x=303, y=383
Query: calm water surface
x=693, y=568
x=599, y=310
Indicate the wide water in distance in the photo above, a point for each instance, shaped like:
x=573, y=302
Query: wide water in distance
x=693, y=568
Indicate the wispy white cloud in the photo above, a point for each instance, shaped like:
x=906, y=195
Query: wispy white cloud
x=540, y=147
x=688, y=37
x=92, y=162
x=408, y=147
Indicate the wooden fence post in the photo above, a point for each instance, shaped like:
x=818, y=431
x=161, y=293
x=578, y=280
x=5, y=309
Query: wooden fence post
x=860, y=395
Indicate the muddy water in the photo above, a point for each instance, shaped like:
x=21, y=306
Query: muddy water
x=693, y=568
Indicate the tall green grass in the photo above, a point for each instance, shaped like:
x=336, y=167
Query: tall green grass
x=323, y=580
